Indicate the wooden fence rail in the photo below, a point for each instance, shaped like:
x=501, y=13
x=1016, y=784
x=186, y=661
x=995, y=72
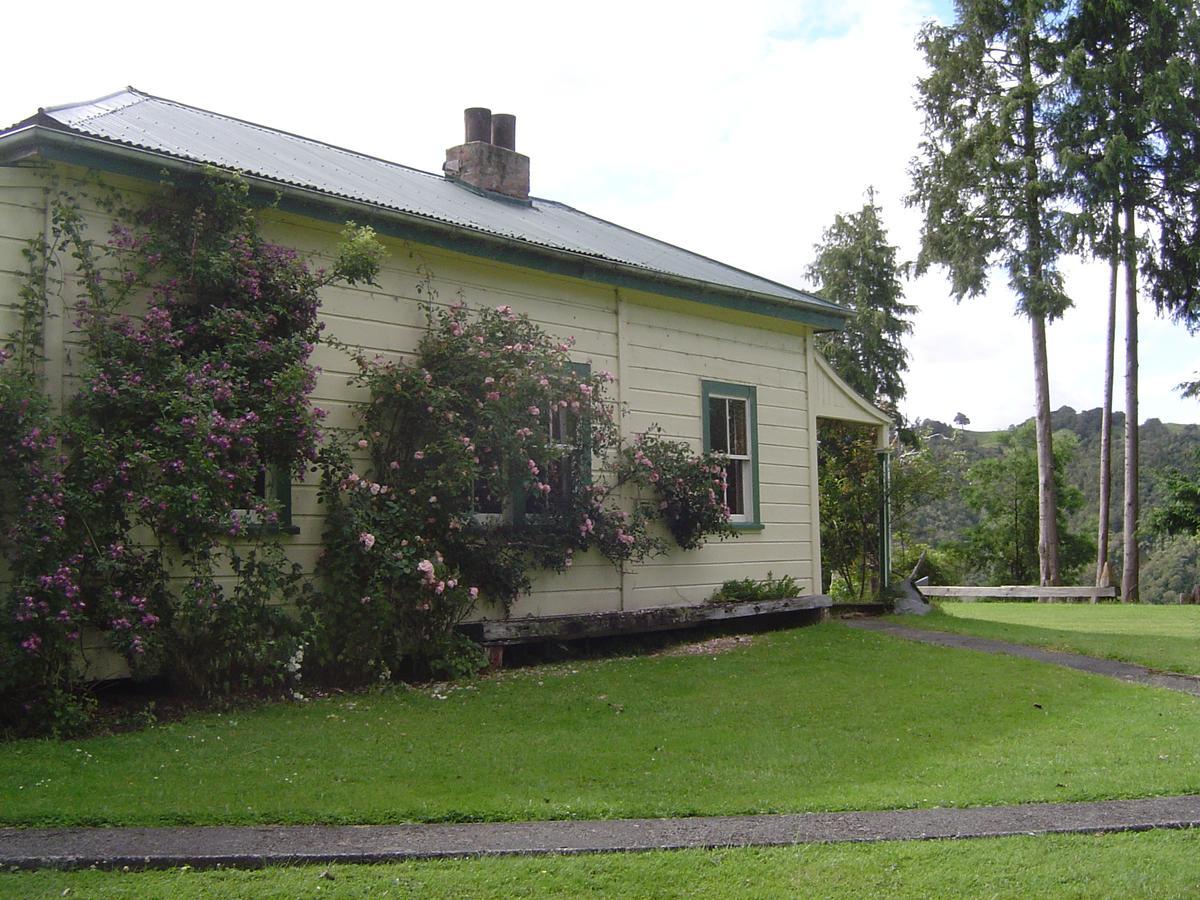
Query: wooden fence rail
x=1015, y=591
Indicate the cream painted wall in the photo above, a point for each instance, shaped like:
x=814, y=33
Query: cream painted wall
x=22, y=216
x=659, y=348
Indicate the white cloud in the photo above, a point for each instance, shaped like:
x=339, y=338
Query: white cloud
x=738, y=131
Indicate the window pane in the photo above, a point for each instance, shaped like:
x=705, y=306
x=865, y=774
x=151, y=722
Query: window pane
x=718, y=441
x=485, y=502
x=735, y=488
x=558, y=476
x=737, y=427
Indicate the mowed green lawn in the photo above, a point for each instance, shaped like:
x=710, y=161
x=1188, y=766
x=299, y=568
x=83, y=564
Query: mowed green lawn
x=820, y=718
x=1155, y=864
x=1161, y=637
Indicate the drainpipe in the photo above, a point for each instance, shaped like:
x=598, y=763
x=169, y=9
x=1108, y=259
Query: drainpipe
x=884, y=452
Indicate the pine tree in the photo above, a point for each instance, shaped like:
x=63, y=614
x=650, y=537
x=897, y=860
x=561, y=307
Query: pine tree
x=857, y=267
x=1128, y=138
x=983, y=181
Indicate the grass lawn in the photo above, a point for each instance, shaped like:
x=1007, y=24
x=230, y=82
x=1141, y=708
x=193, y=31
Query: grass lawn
x=1150, y=864
x=819, y=718
x=1161, y=637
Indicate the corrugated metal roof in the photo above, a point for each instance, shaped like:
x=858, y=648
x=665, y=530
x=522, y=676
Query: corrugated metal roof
x=140, y=120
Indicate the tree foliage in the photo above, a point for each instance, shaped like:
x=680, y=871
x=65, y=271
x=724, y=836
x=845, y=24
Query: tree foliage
x=1128, y=143
x=857, y=267
x=1178, y=512
x=982, y=176
x=1003, y=547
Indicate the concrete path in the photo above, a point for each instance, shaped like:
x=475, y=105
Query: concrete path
x=1188, y=684
x=207, y=847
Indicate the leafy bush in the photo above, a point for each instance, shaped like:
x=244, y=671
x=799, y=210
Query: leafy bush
x=942, y=565
x=752, y=590
x=690, y=488
x=479, y=472
x=144, y=472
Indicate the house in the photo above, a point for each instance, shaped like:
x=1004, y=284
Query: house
x=683, y=334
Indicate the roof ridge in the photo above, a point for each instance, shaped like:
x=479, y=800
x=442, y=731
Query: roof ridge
x=138, y=97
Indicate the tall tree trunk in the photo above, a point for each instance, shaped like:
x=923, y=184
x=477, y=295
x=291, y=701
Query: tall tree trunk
x=1047, y=501
x=1129, y=565
x=1102, y=575
x=1047, y=497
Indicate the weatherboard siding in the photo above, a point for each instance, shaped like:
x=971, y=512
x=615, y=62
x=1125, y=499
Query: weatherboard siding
x=22, y=216
x=669, y=352
x=660, y=349
x=388, y=319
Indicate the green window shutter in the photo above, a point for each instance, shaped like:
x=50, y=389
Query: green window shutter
x=281, y=493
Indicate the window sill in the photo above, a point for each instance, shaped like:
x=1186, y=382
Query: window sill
x=748, y=526
x=260, y=530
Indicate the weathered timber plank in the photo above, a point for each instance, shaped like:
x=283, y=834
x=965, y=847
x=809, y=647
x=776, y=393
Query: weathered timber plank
x=1015, y=590
x=632, y=621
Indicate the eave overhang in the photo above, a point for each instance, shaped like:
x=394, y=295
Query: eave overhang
x=39, y=140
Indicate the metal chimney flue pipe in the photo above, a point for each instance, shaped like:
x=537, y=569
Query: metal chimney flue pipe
x=504, y=131
x=479, y=124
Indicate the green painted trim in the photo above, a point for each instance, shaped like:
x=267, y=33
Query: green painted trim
x=98, y=154
x=749, y=393
x=885, y=519
x=282, y=484
x=583, y=429
x=595, y=270
x=281, y=490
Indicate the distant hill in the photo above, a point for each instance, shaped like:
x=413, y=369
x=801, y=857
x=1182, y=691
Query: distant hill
x=1163, y=446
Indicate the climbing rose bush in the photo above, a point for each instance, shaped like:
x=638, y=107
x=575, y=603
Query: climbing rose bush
x=477, y=457
x=687, y=489
x=151, y=467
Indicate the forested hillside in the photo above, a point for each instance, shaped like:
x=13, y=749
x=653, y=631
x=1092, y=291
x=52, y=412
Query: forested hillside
x=1167, y=566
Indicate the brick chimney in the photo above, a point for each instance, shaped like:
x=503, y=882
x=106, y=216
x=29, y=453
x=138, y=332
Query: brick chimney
x=489, y=160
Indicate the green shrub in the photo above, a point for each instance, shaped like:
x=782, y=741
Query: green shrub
x=749, y=589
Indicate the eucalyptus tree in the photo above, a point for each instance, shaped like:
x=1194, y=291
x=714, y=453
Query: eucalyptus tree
x=1128, y=138
x=985, y=181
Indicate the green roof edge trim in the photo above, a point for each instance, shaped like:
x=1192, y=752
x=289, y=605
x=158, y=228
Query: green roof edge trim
x=97, y=153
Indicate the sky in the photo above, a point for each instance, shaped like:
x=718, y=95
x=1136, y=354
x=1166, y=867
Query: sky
x=738, y=132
